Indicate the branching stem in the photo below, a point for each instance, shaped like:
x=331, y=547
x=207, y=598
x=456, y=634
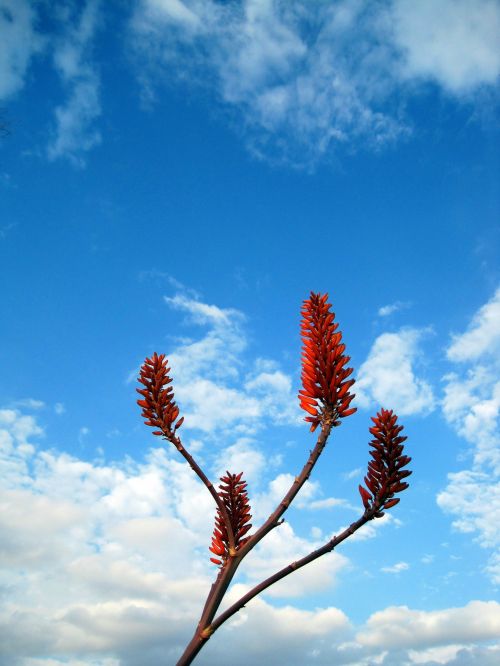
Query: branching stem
x=205, y=629
x=197, y=469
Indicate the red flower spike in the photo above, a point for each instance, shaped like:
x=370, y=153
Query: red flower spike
x=385, y=473
x=234, y=496
x=325, y=394
x=158, y=407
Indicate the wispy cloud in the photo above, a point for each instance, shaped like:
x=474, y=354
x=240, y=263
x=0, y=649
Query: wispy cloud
x=75, y=132
x=216, y=387
x=396, y=568
x=83, y=433
x=59, y=408
x=29, y=403
x=308, y=78
x=387, y=310
x=354, y=474
x=20, y=43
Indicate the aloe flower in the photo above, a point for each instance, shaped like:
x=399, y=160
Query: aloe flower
x=325, y=394
x=234, y=496
x=385, y=472
x=158, y=406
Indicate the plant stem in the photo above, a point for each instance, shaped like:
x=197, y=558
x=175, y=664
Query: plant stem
x=219, y=588
x=328, y=547
x=197, y=469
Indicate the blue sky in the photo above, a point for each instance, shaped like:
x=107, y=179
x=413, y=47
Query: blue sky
x=179, y=175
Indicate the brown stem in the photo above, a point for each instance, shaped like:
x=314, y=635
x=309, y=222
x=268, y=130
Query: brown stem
x=328, y=547
x=219, y=588
x=196, y=468
x=299, y=481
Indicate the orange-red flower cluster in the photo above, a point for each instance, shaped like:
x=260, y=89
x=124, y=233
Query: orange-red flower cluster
x=158, y=406
x=385, y=472
x=325, y=394
x=235, y=500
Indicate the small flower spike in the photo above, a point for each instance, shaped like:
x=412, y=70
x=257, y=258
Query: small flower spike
x=385, y=472
x=158, y=406
x=325, y=394
x=234, y=496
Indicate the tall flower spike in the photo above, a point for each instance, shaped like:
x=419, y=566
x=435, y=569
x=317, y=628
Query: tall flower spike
x=385, y=472
x=325, y=394
x=234, y=496
x=158, y=406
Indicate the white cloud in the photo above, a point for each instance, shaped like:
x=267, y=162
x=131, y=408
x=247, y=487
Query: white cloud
x=21, y=427
x=20, y=43
x=456, y=655
x=116, y=584
x=308, y=78
x=74, y=132
x=82, y=433
x=453, y=42
x=387, y=310
x=108, y=565
x=354, y=474
x=441, y=655
x=474, y=497
x=29, y=403
x=203, y=313
x=388, y=378
x=396, y=568
x=264, y=503
x=471, y=405
x=242, y=457
x=281, y=547
x=213, y=385
x=292, y=70
x=493, y=568
x=482, y=336
x=402, y=627
x=328, y=503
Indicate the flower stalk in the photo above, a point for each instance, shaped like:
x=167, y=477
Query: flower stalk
x=325, y=397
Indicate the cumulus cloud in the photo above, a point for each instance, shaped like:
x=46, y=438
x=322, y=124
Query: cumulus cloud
x=107, y=564
x=89, y=569
x=471, y=405
x=308, y=78
x=402, y=627
x=74, y=132
x=474, y=497
x=388, y=377
x=482, y=336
